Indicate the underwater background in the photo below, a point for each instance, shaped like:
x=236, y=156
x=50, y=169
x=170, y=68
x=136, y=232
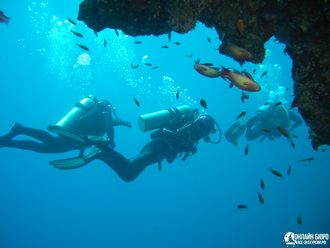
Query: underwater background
x=186, y=204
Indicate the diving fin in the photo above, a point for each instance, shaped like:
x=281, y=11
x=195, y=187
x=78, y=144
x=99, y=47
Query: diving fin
x=77, y=162
x=237, y=129
x=89, y=139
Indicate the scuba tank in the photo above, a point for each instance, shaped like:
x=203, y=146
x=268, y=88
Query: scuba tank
x=266, y=109
x=157, y=119
x=79, y=110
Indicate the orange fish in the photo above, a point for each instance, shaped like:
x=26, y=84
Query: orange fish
x=207, y=69
x=241, y=114
x=4, y=18
x=283, y=132
x=240, y=26
x=235, y=51
x=239, y=80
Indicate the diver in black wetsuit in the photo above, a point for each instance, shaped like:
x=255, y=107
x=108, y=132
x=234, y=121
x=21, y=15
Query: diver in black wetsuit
x=170, y=140
x=264, y=123
x=89, y=117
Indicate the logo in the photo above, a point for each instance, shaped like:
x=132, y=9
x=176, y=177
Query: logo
x=291, y=239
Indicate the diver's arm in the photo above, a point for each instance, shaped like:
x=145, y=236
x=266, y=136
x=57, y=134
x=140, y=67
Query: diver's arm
x=297, y=120
x=122, y=123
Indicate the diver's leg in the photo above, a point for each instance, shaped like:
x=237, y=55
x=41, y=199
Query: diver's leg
x=58, y=147
x=130, y=169
x=11, y=133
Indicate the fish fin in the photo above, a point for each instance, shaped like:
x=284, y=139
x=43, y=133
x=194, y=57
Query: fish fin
x=208, y=64
x=197, y=61
x=237, y=71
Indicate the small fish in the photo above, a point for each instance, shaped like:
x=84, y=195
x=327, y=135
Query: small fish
x=148, y=64
x=235, y=143
x=306, y=160
x=169, y=36
x=277, y=104
x=134, y=66
x=155, y=67
x=283, y=132
x=164, y=47
x=71, y=21
x=276, y=173
x=183, y=117
x=137, y=102
x=244, y=95
x=76, y=33
x=292, y=144
x=173, y=120
x=299, y=220
x=246, y=149
x=177, y=94
x=292, y=95
x=3, y=18
x=203, y=103
x=287, y=89
x=266, y=130
x=261, y=199
x=289, y=170
x=240, y=115
x=324, y=150
x=262, y=184
x=82, y=46
x=177, y=43
x=116, y=31
x=263, y=74
x=189, y=55
x=96, y=34
x=254, y=71
x=105, y=43
x=208, y=39
x=137, y=42
x=240, y=26
x=242, y=207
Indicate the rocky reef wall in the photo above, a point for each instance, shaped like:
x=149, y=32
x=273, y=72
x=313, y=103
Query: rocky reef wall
x=303, y=25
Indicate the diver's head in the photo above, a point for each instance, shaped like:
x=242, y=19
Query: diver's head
x=105, y=106
x=207, y=124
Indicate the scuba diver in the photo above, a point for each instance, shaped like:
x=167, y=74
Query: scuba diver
x=264, y=123
x=179, y=130
x=89, y=117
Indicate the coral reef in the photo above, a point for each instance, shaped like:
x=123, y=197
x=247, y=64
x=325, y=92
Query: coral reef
x=304, y=26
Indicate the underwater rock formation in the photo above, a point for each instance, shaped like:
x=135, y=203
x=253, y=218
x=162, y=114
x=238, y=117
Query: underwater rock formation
x=304, y=26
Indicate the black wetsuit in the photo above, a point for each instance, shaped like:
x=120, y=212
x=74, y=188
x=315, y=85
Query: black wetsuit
x=97, y=121
x=165, y=145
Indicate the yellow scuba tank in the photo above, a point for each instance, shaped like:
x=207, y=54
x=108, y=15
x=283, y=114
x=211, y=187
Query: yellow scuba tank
x=80, y=109
x=155, y=120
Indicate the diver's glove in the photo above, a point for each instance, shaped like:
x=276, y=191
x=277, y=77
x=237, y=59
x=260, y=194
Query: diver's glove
x=128, y=124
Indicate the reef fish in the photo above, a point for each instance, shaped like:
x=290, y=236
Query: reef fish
x=177, y=43
x=206, y=69
x=266, y=130
x=137, y=42
x=134, y=66
x=208, y=39
x=242, y=207
x=262, y=183
x=4, y=18
x=83, y=47
x=289, y=170
x=71, y=21
x=239, y=80
x=246, y=151
x=240, y=115
x=261, y=199
x=164, y=47
x=105, y=43
x=203, y=103
x=263, y=74
x=306, y=160
x=240, y=26
x=235, y=51
x=137, y=102
x=299, y=220
x=76, y=33
x=177, y=94
x=276, y=173
x=116, y=31
x=244, y=96
x=169, y=36
x=283, y=132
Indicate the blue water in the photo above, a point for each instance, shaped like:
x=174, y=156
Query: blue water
x=186, y=204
